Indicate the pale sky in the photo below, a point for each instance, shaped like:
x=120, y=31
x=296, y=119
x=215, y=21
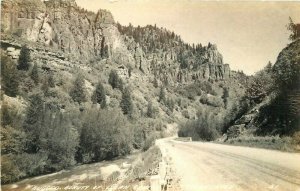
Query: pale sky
x=248, y=34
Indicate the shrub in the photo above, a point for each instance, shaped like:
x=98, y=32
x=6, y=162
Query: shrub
x=9, y=170
x=204, y=99
x=138, y=136
x=35, y=74
x=190, y=91
x=296, y=138
x=60, y=140
x=105, y=135
x=204, y=128
x=150, y=140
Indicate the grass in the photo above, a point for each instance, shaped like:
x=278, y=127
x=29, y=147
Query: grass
x=267, y=142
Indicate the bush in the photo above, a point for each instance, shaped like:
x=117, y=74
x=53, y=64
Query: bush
x=150, y=140
x=190, y=91
x=296, y=138
x=35, y=74
x=204, y=128
x=105, y=135
x=60, y=141
x=9, y=170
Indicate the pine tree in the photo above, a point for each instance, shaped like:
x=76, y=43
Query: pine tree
x=113, y=79
x=155, y=83
x=35, y=74
x=268, y=67
x=24, y=59
x=10, y=77
x=126, y=102
x=294, y=29
x=78, y=93
x=162, y=95
x=99, y=95
x=51, y=81
x=150, y=110
x=33, y=122
x=45, y=87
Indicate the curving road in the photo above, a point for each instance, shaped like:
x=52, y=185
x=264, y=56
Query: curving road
x=209, y=166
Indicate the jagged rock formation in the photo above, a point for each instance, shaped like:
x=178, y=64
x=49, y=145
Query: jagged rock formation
x=62, y=26
x=164, y=54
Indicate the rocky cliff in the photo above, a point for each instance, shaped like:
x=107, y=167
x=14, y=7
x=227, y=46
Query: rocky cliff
x=63, y=26
x=80, y=35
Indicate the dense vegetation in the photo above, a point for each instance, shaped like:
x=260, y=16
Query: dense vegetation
x=272, y=99
x=57, y=129
x=281, y=115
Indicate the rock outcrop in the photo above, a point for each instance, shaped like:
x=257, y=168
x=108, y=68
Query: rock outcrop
x=61, y=26
x=64, y=26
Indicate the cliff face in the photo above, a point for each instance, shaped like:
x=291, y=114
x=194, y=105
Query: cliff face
x=60, y=25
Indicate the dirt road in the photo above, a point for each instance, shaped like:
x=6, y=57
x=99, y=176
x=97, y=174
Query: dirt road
x=208, y=166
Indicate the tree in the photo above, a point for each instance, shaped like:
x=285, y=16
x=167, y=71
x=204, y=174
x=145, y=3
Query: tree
x=99, y=95
x=105, y=134
x=162, y=95
x=59, y=140
x=35, y=74
x=51, y=81
x=24, y=59
x=150, y=110
x=225, y=96
x=295, y=30
x=33, y=122
x=104, y=49
x=260, y=86
x=126, y=102
x=10, y=77
x=78, y=93
x=114, y=80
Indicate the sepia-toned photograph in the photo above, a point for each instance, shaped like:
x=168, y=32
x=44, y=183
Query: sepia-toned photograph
x=150, y=95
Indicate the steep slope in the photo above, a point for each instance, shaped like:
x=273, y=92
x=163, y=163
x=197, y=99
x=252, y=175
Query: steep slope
x=278, y=113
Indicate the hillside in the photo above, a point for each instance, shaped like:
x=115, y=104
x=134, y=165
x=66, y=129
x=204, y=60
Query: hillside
x=77, y=87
